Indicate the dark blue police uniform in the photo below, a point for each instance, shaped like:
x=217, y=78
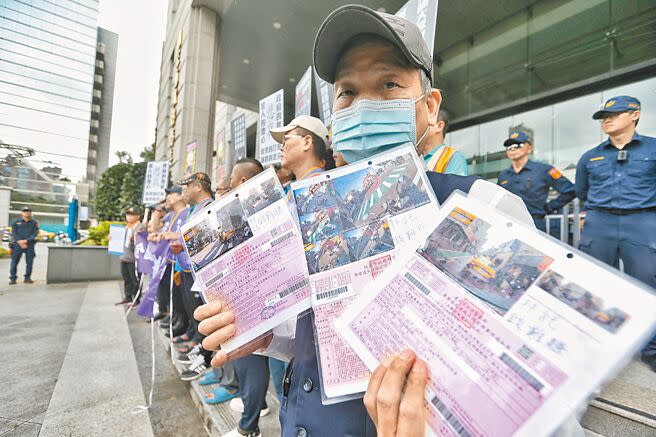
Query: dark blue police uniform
x=620, y=199
x=619, y=190
x=22, y=229
x=532, y=185
x=301, y=412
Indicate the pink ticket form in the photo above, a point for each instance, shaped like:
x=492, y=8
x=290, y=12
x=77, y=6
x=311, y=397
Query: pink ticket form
x=246, y=250
x=354, y=221
x=517, y=329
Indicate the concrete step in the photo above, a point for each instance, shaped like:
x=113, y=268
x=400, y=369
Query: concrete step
x=220, y=419
x=626, y=405
x=98, y=385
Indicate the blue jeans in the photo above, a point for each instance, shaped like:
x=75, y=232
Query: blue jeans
x=16, y=254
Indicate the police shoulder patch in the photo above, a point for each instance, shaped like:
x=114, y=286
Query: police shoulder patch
x=554, y=173
x=503, y=182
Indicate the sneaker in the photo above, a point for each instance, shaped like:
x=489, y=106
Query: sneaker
x=187, y=348
x=28, y=281
x=195, y=369
x=237, y=405
x=184, y=338
x=164, y=323
x=235, y=433
x=219, y=395
x=12, y=282
x=190, y=356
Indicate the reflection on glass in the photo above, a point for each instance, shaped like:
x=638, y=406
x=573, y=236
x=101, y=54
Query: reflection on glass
x=562, y=132
x=493, y=134
x=643, y=91
x=541, y=122
x=575, y=130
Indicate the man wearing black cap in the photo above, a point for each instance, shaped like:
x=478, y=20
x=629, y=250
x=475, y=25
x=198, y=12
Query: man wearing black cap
x=128, y=271
x=531, y=180
x=381, y=69
x=617, y=182
x=23, y=236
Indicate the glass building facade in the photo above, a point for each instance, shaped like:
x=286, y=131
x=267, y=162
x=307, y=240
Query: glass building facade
x=47, y=73
x=562, y=131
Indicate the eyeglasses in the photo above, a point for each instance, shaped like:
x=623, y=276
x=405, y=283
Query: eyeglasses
x=514, y=147
x=289, y=137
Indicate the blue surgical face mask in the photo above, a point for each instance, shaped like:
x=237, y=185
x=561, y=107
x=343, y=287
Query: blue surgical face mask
x=373, y=126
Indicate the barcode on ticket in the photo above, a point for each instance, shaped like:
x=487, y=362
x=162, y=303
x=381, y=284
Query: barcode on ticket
x=417, y=284
x=331, y=293
x=522, y=372
x=283, y=238
x=449, y=417
x=289, y=290
x=213, y=280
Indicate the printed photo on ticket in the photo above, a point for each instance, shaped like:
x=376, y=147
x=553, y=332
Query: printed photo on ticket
x=354, y=221
x=247, y=251
x=517, y=328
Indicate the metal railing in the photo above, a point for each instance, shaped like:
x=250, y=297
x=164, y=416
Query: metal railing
x=570, y=223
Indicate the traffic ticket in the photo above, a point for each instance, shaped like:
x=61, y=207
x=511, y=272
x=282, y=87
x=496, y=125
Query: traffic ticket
x=354, y=221
x=247, y=251
x=517, y=328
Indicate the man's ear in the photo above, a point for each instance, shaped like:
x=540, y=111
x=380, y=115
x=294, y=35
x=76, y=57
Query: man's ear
x=307, y=140
x=433, y=102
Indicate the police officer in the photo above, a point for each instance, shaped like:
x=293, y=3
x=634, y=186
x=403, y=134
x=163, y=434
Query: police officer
x=531, y=180
x=617, y=181
x=373, y=56
x=23, y=232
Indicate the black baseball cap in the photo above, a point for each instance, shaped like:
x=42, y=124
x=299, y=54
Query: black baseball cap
x=349, y=21
x=26, y=208
x=199, y=177
x=173, y=189
x=132, y=210
x=518, y=137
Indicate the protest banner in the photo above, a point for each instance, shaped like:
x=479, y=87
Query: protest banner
x=271, y=116
x=304, y=94
x=190, y=158
x=116, y=239
x=238, y=135
x=156, y=180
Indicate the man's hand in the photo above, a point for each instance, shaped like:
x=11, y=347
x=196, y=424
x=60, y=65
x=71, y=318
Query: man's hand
x=22, y=244
x=217, y=323
x=398, y=412
x=176, y=247
x=172, y=235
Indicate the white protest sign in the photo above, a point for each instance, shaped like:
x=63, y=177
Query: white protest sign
x=157, y=174
x=271, y=116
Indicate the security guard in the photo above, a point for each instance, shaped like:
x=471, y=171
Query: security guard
x=23, y=232
x=617, y=181
x=531, y=180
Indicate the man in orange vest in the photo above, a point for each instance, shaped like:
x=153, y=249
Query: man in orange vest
x=439, y=157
